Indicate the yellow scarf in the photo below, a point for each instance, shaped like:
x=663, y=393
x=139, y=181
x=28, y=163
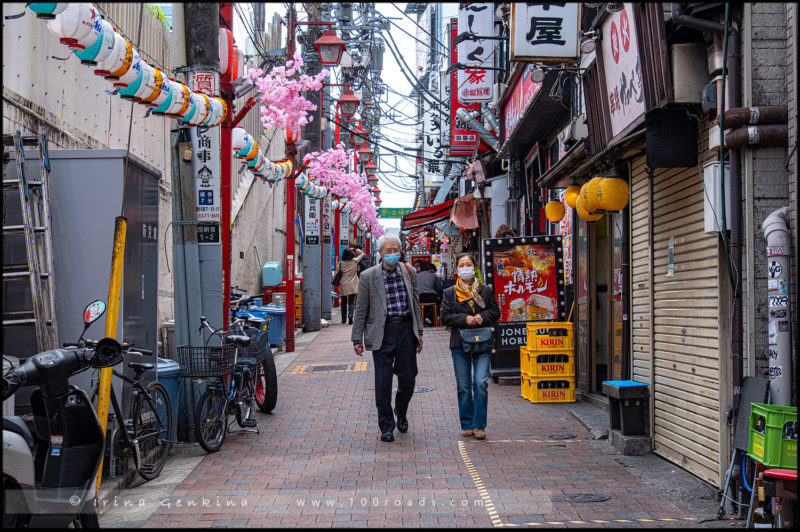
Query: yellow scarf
x=465, y=292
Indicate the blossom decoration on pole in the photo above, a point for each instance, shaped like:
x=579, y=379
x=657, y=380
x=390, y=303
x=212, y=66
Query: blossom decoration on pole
x=282, y=105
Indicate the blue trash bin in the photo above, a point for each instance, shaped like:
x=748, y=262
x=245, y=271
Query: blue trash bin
x=169, y=375
x=276, y=331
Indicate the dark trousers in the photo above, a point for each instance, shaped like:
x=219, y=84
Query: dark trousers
x=348, y=304
x=428, y=298
x=397, y=355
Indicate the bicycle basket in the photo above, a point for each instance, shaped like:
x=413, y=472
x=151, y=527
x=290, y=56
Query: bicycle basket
x=208, y=361
x=256, y=351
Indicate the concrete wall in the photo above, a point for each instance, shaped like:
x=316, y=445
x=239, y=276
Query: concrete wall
x=791, y=96
x=68, y=102
x=765, y=180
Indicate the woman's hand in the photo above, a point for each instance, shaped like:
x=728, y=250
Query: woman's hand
x=477, y=319
x=470, y=320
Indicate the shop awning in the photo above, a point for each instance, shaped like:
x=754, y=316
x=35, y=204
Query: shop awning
x=428, y=215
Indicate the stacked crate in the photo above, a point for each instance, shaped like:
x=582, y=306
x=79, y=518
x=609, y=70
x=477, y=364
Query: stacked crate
x=547, y=363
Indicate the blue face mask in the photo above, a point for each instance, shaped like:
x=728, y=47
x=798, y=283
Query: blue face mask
x=391, y=258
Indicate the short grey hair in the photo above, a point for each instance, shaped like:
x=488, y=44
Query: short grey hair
x=388, y=237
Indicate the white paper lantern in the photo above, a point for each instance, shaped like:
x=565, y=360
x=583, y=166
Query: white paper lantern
x=102, y=46
x=47, y=10
x=180, y=99
x=165, y=96
x=133, y=72
x=240, y=66
x=133, y=87
x=73, y=23
x=225, y=50
x=115, y=58
x=217, y=114
x=189, y=111
x=87, y=41
x=257, y=161
x=158, y=87
x=174, y=96
x=238, y=135
x=148, y=83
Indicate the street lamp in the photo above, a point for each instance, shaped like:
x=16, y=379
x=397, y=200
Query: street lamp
x=375, y=190
x=370, y=168
x=373, y=179
x=364, y=153
x=348, y=102
x=377, y=201
x=329, y=47
x=359, y=135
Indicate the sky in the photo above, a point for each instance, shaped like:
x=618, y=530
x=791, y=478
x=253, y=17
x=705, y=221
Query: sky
x=395, y=136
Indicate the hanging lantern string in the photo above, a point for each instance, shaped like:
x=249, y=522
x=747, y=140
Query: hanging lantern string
x=130, y=122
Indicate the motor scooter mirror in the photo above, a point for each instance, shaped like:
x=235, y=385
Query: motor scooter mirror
x=93, y=311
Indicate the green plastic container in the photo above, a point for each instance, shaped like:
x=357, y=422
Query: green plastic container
x=773, y=435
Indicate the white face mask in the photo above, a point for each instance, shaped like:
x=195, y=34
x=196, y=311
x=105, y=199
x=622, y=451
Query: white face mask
x=466, y=273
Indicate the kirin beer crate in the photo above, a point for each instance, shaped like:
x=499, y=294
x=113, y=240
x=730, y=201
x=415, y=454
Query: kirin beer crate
x=551, y=365
x=552, y=390
x=554, y=336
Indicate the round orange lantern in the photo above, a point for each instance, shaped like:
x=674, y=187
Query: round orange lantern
x=571, y=195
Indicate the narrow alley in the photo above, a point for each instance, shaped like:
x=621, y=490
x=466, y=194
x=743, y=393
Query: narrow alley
x=318, y=462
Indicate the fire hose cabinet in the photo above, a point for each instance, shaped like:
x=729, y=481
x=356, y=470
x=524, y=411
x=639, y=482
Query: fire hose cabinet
x=626, y=400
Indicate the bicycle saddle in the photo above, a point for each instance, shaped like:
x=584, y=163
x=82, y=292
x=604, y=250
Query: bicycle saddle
x=241, y=340
x=141, y=366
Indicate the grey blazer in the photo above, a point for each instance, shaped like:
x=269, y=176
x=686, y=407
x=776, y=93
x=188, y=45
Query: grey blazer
x=369, y=318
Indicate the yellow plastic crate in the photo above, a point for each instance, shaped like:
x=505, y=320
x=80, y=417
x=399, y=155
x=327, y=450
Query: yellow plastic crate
x=525, y=386
x=551, y=365
x=525, y=360
x=553, y=390
x=549, y=336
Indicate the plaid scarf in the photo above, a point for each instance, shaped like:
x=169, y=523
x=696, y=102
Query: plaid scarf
x=466, y=292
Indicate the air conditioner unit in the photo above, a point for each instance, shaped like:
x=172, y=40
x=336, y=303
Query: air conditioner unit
x=689, y=71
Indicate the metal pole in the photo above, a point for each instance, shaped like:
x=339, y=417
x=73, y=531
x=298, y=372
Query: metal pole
x=291, y=151
x=226, y=92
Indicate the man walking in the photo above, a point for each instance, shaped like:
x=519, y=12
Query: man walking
x=387, y=321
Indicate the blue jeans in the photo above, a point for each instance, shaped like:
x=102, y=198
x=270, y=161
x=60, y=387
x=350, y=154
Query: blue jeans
x=472, y=382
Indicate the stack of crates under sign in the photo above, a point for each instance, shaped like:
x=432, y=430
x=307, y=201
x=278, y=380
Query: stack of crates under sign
x=547, y=363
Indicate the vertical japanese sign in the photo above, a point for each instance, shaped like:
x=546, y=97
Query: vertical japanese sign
x=545, y=32
x=528, y=278
x=622, y=69
x=344, y=229
x=475, y=83
x=312, y=217
x=444, y=94
x=206, y=168
x=521, y=96
x=462, y=139
x=326, y=220
x=432, y=153
x=565, y=230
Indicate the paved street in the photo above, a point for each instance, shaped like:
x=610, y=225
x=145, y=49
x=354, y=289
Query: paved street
x=318, y=462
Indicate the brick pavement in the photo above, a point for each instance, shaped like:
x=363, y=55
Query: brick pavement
x=318, y=461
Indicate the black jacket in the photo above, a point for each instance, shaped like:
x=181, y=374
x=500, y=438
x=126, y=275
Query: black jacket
x=454, y=314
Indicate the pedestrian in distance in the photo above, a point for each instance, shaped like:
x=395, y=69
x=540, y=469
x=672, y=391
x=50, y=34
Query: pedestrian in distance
x=364, y=263
x=430, y=286
x=348, y=284
x=388, y=322
x=504, y=231
x=470, y=305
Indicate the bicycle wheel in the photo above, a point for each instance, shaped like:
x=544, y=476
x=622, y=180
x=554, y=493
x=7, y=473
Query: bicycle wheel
x=245, y=415
x=151, y=429
x=266, y=393
x=211, y=420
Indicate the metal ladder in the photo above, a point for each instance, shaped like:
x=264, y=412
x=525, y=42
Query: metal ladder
x=34, y=200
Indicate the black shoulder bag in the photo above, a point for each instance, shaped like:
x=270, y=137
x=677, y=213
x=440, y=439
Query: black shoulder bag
x=477, y=340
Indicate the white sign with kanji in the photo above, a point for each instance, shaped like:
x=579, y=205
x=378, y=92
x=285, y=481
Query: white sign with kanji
x=545, y=32
x=205, y=81
x=622, y=69
x=432, y=151
x=206, y=168
x=475, y=83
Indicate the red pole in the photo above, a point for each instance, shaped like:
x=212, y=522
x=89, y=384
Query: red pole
x=226, y=17
x=291, y=151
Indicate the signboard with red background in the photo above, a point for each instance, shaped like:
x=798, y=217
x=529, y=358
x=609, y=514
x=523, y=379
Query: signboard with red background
x=521, y=96
x=462, y=139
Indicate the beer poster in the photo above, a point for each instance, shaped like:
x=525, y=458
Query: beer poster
x=527, y=274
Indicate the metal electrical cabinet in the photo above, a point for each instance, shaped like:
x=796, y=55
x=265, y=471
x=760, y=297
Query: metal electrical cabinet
x=86, y=195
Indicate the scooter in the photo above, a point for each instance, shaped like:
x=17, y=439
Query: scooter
x=49, y=479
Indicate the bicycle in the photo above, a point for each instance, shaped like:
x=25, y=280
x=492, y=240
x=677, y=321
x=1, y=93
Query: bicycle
x=144, y=434
x=233, y=388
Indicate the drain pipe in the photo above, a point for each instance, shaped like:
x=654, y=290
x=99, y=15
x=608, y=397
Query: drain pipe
x=679, y=17
x=490, y=119
x=475, y=126
x=776, y=232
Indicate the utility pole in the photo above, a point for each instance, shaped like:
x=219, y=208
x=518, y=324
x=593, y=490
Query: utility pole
x=226, y=92
x=291, y=152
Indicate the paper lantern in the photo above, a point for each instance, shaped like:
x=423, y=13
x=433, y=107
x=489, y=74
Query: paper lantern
x=158, y=87
x=74, y=23
x=217, y=113
x=247, y=145
x=203, y=109
x=225, y=50
x=253, y=153
x=115, y=58
x=334, y=204
x=47, y=10
x=164, y=96
x=127, y=92
x=185, y=102
x=580, y=206
x=589, y=193
x=554, y=211
x=571, y=195
x=102, y=47
x=88, y=40
x=238, y=137
x=612, y=194
x=268, y=171
x=240, y=66
x=173, y=100
x=301, y=180
x=126, y=63
x=256, y=161
x=148, y=84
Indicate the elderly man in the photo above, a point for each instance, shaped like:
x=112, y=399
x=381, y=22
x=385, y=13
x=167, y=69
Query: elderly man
x=388, y=322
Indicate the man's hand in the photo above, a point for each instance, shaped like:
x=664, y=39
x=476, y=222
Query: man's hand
x=419, y=347
x=359, y=349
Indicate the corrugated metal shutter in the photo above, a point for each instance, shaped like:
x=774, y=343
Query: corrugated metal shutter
x=676, y=321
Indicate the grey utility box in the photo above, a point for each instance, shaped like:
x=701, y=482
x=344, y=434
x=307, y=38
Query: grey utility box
x=86, y=192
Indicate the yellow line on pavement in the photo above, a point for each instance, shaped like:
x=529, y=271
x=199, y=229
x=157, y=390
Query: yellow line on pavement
x=488, y=504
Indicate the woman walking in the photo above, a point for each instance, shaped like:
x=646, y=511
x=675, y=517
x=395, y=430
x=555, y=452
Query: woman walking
x=348, y=285
x=470, y=305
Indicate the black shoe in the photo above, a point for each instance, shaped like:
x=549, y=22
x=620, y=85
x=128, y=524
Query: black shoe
x=402, y=423
x=350, y=321
x=387, y=436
